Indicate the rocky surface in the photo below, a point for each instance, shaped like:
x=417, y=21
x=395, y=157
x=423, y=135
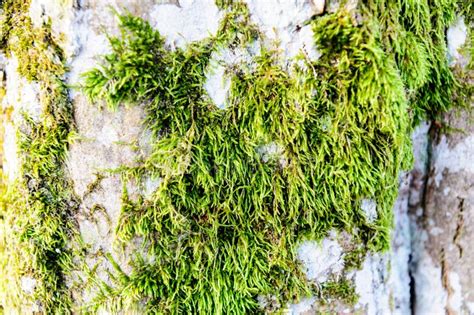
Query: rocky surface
x=442, y=219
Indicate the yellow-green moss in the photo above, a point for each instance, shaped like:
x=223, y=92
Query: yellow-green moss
x=223, y=225
x=38, y=207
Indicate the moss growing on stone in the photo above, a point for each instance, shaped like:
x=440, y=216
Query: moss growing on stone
x=223, y=225
x=38, y=208
x=342, y=291
x=414, y=34
x=291, y=156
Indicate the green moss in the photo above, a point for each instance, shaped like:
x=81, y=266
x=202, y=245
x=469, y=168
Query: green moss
x=135, y=78
x=38, y=208
x=465, y=75
x=222, y=226
x=94, y=185
x=353, y=259
x=236, y=27
x=413, y=33
x=466, y=9
x=343, y=291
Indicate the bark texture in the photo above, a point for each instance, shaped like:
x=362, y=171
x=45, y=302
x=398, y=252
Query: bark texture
x=442, y=217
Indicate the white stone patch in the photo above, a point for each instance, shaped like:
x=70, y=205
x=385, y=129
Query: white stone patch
x=419, y=211
x=240, y=56
x=370, y=285
x=456, y=298
x=399, y=277
x=283, y=21
x=321, y=260
x=28, y=284
x=302, y=307
x=36, y=307
x=303, y=41
x=21, y=94
x=217, y=85
x=218, y=81
x=420, y=141
x=61, y=15
x=272, y=151
x=454, y=159
x=369, y=206
x=86, y=44
x=456, y=36
x=430, y=294
x=470, y=307
x=318, y=6
x=90, y=233
x=109, y=135
x=446, y=191
x=151, y=184
x=435, y=231
x=192, y=20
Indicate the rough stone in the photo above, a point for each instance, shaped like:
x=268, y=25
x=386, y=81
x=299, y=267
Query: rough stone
x=442, y=228
x=456, y=36
x=186, y=21
x=369, y=207
x=283, y=23
x=321, y=260
x=28, y=285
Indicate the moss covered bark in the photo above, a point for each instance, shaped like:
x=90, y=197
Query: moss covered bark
x=37, y=208
x=223, y=226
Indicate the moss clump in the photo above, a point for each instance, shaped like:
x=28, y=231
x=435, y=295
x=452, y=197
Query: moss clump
x=465, y=74
x=140, y=76
x=414, y=35
x=343, y=291
x=38, y=208
x=354, y=258
x=223, y=225
x=221, y=228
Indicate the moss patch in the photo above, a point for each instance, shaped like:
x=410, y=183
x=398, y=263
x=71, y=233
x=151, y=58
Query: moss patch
x=223, y=226
x=38, y=208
